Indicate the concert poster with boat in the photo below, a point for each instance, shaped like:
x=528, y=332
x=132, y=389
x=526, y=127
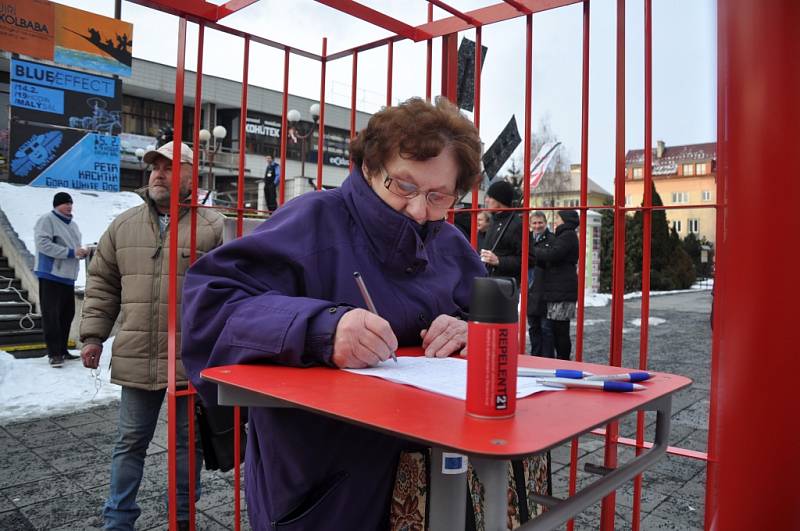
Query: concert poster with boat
x=93, y=42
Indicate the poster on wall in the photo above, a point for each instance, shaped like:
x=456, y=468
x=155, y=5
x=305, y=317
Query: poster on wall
x=27, y=27
x=59, y=96
x=92, y=41
x=51, y=157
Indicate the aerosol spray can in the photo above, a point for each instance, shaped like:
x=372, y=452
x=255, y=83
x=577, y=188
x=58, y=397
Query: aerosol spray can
x=492, y=348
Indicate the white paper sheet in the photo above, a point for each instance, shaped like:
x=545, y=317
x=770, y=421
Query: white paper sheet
x=445, y=376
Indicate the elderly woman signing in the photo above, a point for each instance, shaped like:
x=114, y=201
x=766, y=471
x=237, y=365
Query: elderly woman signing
x=285, y=295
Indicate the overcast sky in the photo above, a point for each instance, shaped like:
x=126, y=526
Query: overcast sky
x=684, y=64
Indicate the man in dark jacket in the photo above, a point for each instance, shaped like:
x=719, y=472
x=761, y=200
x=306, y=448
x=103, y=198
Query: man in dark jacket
x=272, y=178
x=560, y=285
x=537, y=308
x=502, y=248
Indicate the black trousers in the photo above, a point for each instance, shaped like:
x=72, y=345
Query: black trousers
x=57, y=301
x=270, y=195
x=535, y=333
x=555, y=339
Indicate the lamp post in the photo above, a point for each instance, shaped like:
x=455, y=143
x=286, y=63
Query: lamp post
x=210, y=149
x=295, y=132
x=140, y=156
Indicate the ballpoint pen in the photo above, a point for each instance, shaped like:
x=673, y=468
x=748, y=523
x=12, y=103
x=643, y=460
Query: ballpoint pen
x=619, y=387
x=367, y=299
x=637, y=376
x=557, y=373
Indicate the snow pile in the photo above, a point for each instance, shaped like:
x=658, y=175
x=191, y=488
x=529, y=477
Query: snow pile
x=92, y=211
x=30, y=388
x=652, y=321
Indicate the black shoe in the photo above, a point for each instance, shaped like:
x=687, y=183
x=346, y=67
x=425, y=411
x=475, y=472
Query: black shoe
x=56, y=362
x=70, y=357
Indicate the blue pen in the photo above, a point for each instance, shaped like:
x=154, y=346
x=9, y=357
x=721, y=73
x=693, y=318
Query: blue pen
x=637, y=376
x=556, y=373
x=616, y=387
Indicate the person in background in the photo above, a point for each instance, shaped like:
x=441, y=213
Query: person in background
x=537, y=271
x=129, y=276
x=272, y=179
x=502, y=247
x=58, y=252
x=560, y=287
x=285, y=295
x=484, y=221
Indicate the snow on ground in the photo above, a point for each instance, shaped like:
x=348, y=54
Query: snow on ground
x=92, y=211
x=30, y=388
x=652, y=321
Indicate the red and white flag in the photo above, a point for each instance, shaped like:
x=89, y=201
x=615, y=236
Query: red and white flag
x=542, y=161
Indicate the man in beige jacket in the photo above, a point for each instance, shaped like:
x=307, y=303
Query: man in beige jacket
x=129, y=277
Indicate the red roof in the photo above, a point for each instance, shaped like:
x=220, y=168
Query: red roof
x=668, y=163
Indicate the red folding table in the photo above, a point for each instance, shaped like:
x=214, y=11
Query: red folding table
x=543, y=421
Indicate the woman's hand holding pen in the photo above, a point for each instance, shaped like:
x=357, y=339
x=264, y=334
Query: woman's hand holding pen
x=446, y=336
x=362, y=339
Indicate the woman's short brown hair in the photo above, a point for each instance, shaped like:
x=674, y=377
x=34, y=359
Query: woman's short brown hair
x=419, y=130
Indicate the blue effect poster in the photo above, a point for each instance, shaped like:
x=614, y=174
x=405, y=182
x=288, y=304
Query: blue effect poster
x=48, y=157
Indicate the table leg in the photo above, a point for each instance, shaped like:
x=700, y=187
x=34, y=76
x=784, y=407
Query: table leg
x=448, y=496
x=493, y=474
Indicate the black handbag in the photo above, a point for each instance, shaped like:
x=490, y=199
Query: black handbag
x=215, y=424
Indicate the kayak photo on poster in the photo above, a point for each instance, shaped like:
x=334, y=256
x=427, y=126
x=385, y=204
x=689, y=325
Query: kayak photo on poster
x=59, y=96
x=92, y=41
x=51, y=157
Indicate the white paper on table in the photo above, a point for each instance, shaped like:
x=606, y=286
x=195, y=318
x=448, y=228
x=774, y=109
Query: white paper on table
x=444, y=376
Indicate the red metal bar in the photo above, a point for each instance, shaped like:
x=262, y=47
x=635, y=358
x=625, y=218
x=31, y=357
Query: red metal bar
x=353, y=85
x=647, y=216
x=284, y=126
x=573, y=453
x=429, y=59
x=673, y=450
x=377, y=18
x=172, y=293
x=449, y=66
x=472, y=21
x=242, y=140
x=389, y=65
x=232, y=6
x=476, y=118
x=618, y=289
x=320, y=140
x=526, y=183
x=237, y=476
x=519, y=7
x=753, y=437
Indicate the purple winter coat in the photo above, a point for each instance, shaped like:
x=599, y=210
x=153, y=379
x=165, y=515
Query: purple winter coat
x=276, y=296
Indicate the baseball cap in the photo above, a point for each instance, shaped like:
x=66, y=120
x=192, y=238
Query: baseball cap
x=166, y=151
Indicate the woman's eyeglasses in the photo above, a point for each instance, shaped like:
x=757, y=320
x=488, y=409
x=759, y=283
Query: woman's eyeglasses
x=407, y=190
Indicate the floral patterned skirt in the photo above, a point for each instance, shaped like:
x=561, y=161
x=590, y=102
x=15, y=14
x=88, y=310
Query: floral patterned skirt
x=409, y=508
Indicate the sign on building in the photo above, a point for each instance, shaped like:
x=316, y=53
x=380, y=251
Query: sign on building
x=59, y=96
x=45, y=156
x=27, y=27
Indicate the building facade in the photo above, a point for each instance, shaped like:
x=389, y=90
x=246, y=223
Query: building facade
x=683, y=175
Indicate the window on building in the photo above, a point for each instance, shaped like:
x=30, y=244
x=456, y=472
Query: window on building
x=701, y=169
x=693, y=225
x=638, y=172
x=688, y=169
x=677, y=225
x=628, y=201
x=706, y=195
x=680, y=197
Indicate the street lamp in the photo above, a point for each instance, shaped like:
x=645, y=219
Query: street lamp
x=210, y=151
x=293, y=117
x=140, y=156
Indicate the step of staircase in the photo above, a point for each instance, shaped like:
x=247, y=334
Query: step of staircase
x=4, y=261
x=6, y=271
x=7, y=295
x=21, y=338
x=14, y=308
x=12, y=322
x=16, y=283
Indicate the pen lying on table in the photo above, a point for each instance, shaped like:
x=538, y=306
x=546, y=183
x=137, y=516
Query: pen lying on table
x=368, y=300
x=557, y=373
x=638, y=376
x=618, y=387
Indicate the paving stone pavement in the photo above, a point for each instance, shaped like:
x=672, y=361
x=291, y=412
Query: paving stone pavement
x=54, y=471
